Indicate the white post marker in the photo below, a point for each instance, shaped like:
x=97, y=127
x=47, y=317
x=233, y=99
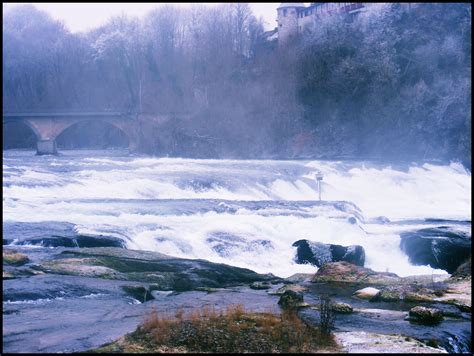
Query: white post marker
x=319, y=178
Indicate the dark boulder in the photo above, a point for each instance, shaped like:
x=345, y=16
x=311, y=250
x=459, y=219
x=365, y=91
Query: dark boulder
x=352, y=220
x=463, y=271
x=76, y=241
x=54, y=234
x=425, y=316
x=317, y=253
x=439, y=247
x=291, y=299
x=139, y=292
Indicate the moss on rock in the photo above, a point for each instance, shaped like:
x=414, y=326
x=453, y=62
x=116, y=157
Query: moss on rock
x=14, y=258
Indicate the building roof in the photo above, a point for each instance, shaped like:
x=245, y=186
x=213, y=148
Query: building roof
x=271, y=35
x=290, y=4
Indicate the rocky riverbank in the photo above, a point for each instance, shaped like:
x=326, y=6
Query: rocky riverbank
x=61, y=299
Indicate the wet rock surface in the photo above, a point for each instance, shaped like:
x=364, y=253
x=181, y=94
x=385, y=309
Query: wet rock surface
x=413, y=292
x=162, y=271
x=317, y=253
x=81, y=298
x=73, y=314
x=364, y=342
x=440, y=247
x=383, y=318
x=54, y=234
x=348, y=272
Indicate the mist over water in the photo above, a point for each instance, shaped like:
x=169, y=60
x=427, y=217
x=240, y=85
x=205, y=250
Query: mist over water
x=245, y=213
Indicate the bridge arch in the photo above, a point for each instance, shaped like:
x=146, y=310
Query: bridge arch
x=92, y=133
x=19, y=134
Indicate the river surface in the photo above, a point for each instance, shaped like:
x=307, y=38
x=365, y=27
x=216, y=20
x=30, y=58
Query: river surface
x=245, y=213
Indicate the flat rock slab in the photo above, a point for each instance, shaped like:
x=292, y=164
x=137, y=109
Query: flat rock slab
x=164, y=272
x=75, y=314
x=365, y=342
x=347, y=272
x=51, y=313
x=458, y=293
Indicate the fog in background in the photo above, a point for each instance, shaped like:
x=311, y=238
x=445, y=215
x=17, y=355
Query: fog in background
x=389, y=84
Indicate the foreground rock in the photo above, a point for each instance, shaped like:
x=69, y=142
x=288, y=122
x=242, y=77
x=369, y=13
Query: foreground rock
x=366, y=342
x=317, y=253
x=458, y=293
x=347, y=272
x=291, y=299
x=342, y=308
x=113, y=302
x=425, y=316
x=161, y=271
x=367, y=293
x=412, y=292
x=54, y=313
x=440, y=247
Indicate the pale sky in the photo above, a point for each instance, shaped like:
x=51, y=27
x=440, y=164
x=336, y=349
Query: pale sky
x=85, y=16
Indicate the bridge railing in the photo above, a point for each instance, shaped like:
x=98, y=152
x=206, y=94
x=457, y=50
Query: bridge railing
x=96, y=114
x=67, y=114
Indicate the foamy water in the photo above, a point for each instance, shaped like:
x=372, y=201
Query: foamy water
x=180, y=206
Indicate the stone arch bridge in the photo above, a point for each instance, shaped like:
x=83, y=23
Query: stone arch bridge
x=48, y=126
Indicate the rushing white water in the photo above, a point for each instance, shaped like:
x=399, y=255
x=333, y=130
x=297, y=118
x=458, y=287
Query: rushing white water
x=257, y=209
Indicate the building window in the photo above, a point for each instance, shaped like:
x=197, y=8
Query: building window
x=284, y=12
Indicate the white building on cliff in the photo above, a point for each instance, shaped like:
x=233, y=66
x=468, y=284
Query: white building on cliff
x=295, y=18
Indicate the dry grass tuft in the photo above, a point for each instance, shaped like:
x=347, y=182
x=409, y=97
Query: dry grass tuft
x=230, y=330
